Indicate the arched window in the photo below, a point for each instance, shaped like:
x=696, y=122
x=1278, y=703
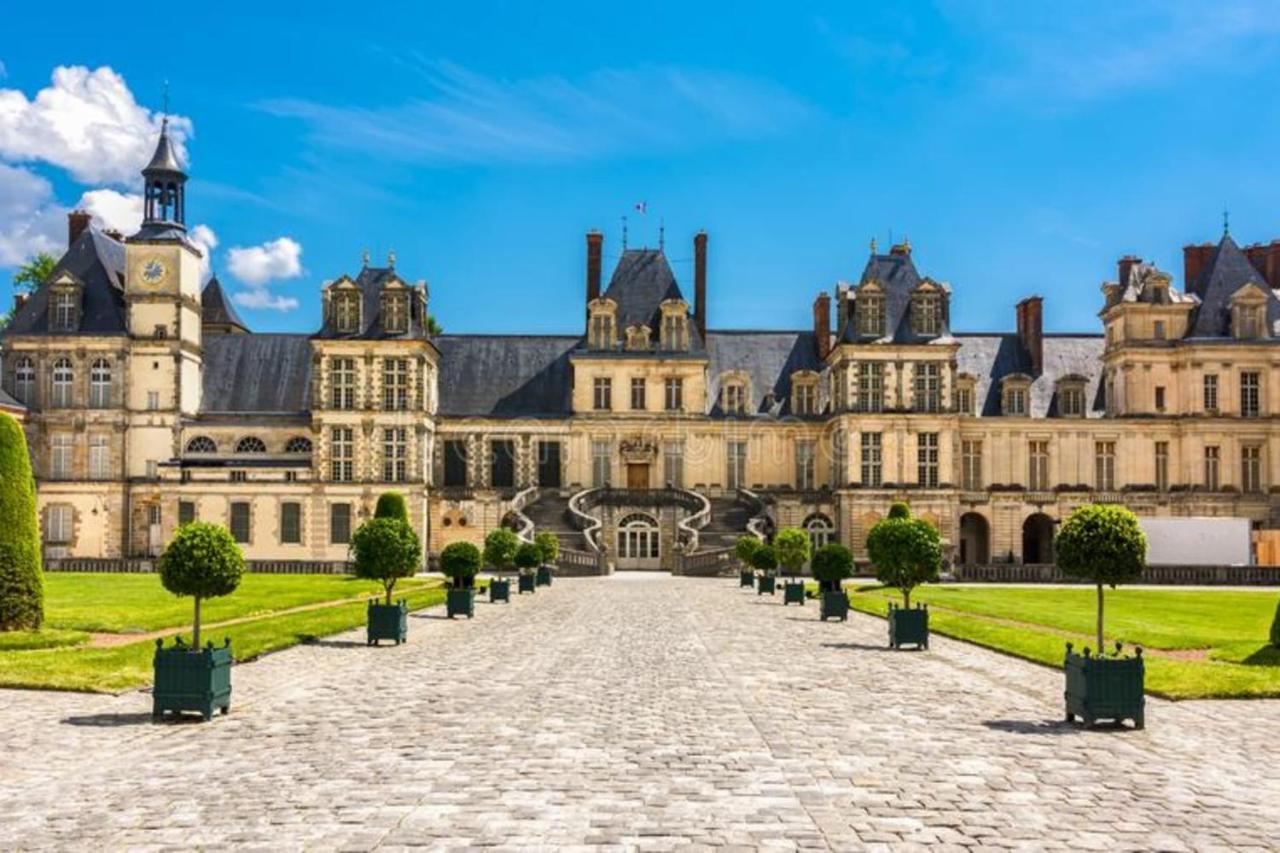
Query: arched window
x=62, y=378
x=251, y=444
x=298, y=444
x=100, y=384
x=638, y=537
x=202, y=444
x=820, y=530
x=24, y=380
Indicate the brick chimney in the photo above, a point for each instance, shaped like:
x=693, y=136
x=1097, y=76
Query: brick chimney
x=1124, y=266
x=77, y=222
x=595, y=245
x=1266, y=260
x=700, y=283
x=822, y=326
x=1030, y=313
x=1194, y=260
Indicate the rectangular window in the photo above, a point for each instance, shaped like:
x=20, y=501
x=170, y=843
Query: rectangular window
x=870, y=386
x=638, y=387
x=1251, y=468
x=238, y=476
x=927, y=459
x=342, y=454
x=99, y=457
x=1250, y=394
x=1038, y=465
x=1159, y=398
x=1162, y=466
x=1071, y=402
x=806, y=399
x=964, y=401
x=971, y=465
x=240, y=526
x=61, y=455
x=928, y=387
x=455, y=462
x=806, y=465
x=186, y=512
x=673, y=464
x=339, y=524
x=1211, y=393
x=502, y=463
x=549, y=464
x=1159, y=330
x=342, y=383
x=395, y=454
x=1211, y=472
x=395, y=384
x=675, y=394
x=1015, y=401
x=870, y=311
x=1104, y=459
x=291, y=523
x=153, y=400
x=736, y=464
x=603, y=391
x=58, y=520
x=395, y=313
x=64, y=311
x=872, y=466
x=601, y=463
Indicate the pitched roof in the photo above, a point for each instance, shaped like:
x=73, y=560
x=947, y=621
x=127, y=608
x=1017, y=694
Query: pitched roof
x=371, y=281
x=768, y=358
x=97, y=261
x=505, y=375
x=641, y=282
x=164, y=159
x=216, y=309
x=897, y=276
x=1227, y=271
x=256, y=373
x=990, y=358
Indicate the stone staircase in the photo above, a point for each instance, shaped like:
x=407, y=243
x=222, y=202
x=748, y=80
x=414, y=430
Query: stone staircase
x=728, y=522
x=550, y=512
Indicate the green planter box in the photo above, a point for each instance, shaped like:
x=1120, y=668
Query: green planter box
x=461, y=602
x=835, y=605
x=1103, y=688
x=909, y=626
x=746, y=577
x=500, y=591
x=544, y=576
x=188, y=680
x=766, y=583
x=793, y=593
x=528, y=583
x=387, y=622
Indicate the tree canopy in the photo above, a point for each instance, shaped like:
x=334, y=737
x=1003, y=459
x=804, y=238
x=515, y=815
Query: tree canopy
x=832, y=563
x=202, y=560
x=792, y=548
x=548, y=546
x=385, y=550
x=528, y=556
x=21, y=578
x=905, y=551
x=1102, y=543
x=500, y=548
x=764, y=558
x=34, y=272
x=392, y=505
x=460, y=561
x=744, y=548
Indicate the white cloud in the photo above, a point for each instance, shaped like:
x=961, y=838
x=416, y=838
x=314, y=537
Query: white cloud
x=113, y=211
x=262, y=298
x=31, y=221
x=86, y=122
x=257, y=265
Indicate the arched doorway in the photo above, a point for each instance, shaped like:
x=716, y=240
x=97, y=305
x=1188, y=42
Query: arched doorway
x=1037, y=539
x=638, y=542
x=820, y=529
x=975, y=540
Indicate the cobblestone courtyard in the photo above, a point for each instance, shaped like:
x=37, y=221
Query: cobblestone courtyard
x=636, y=711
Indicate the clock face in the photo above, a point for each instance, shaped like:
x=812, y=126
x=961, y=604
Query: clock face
x=153, y=270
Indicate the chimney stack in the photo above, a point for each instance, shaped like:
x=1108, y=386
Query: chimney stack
x=700, y=283
x=595, y=243
x=1125, y=266
x=1194, y=260
x=77, y=222
x=1266, y=260
x=822, y=326
x=1030, y=313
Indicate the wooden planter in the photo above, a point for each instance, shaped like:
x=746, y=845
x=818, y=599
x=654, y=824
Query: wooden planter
x=909, y=626
x=766, y=583
x=835, y=605
x=190, y=680
x=461, y=602
x=528, y=583
x=1103, y=688
x=746, y=577
x=793, y=593
x=387, y=622
x=500, y=590
x=544, y=576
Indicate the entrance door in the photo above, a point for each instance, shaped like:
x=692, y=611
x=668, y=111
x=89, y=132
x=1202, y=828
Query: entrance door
x=638, y=542
x=637, y=476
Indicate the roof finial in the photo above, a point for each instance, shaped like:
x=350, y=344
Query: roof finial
x=164, y=112
x=624, y=233
x=1226, y=223
x=364, y=257
x=873, y=245
x=391, y=259
x=662, y=234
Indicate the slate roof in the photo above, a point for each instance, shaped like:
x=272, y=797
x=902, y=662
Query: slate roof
x=371, y=281
x=98, y=262
x=258, y=373
x=641, y=282
x=216, y=309
x=8, y=402
x=991, y=357
x=1227, y=271
x=1151, y=286
x=768, y=358
x=505, y=375
x=897, y=275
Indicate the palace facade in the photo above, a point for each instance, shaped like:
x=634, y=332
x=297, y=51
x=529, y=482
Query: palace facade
x=148, y=402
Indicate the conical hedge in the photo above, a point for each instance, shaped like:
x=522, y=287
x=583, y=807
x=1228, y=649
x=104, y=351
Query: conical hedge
x=21, y=579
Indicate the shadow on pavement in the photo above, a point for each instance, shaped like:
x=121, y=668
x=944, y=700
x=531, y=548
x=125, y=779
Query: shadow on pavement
x=116, y=720
x=1035, y=727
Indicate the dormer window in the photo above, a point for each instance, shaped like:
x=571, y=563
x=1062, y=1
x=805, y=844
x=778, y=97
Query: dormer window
x=64, y=304
x=869, y=310
x=1071, y=397
x=602, y=329
x=1015, y=395
x=965, y=387
x=638, y=337
x=926, y=313
x=346, y=312
x=1249, y=312
x=734, y=393
x=675, y=325
x=804, y=393
x=395, y=313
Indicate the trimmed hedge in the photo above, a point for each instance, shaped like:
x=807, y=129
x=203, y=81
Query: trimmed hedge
x=21, y=578
x=392, y=505
x=460, y=561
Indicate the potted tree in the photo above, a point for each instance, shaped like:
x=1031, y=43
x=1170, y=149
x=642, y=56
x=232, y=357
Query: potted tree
x=906, y=552
x=792, y=548
x=832, y=563
x=549, y=549
x=460, y=561
x=528, y=558
x=743, y=549
x=202, y=561
x=499, y=554
x=21, y=580
x=385, y=550
x=765, y=562
x=1103, y=543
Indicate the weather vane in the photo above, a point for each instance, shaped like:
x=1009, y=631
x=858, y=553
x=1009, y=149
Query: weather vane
x=1226, y=223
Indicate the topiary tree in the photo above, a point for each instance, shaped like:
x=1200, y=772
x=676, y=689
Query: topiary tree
x=386, y=549
x=792, y=547
x=1105, y=544
x=905, y=551
x=528, y=556
x=202, y=560
x=392, y=505
x=548, y=546
x=500, y=548
x=764, y=558
x=460, y=561
x=832, y=563
x=21, y=576
x=744, y=548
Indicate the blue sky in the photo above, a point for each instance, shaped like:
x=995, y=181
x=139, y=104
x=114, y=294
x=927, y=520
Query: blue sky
x=1021, y=148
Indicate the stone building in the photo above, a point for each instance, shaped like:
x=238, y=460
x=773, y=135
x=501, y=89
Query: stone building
x=149, y=402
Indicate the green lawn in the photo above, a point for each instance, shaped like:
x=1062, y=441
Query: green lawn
x=1035, y=623
x=41, y=665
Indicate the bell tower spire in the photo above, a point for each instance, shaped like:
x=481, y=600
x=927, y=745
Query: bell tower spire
x=164, y=207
